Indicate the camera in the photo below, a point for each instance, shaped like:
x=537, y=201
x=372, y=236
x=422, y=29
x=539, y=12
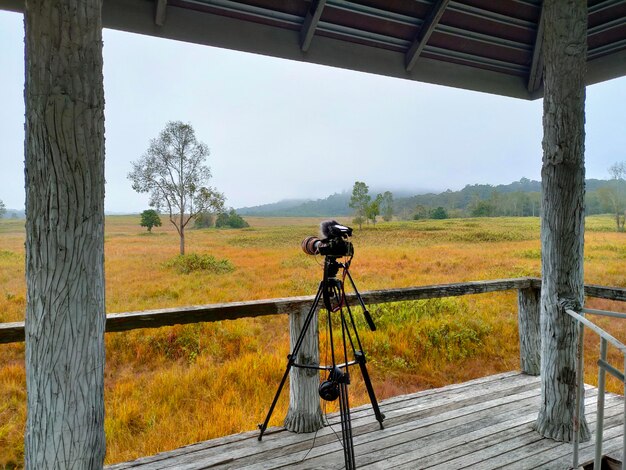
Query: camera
x=334, y=243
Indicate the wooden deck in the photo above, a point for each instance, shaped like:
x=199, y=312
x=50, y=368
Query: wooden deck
x=482, y=424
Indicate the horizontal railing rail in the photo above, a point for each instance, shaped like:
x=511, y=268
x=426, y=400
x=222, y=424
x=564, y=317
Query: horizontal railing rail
x=14, y=332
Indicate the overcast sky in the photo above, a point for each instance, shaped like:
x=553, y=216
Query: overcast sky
x=279, y=129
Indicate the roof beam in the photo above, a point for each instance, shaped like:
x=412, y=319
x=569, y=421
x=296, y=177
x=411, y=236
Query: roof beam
x=185, y=24
x=159, y=13
x=535, y=76
x=426, y=30
x=310, y=23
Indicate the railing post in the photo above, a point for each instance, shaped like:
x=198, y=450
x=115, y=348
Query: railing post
x=529, y=321
x=305, y=413
x=580, y=390
x=624, y=417
x=600, y=405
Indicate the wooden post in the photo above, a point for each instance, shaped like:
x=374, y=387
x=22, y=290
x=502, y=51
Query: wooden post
x=65, y=310
x=305, y=413
x=528, y=303
x=562, y=219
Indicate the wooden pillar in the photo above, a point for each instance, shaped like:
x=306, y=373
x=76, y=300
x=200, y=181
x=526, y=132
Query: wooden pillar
x=528, y=303
x=305, y=413
x=65, y=313
x=562, y=223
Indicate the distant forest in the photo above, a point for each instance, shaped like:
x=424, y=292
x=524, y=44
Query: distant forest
x=518, y=199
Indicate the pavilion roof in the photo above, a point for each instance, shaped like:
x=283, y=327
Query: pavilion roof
x=484, y=45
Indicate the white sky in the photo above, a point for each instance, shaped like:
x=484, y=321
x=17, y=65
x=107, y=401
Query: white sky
x=279, y=129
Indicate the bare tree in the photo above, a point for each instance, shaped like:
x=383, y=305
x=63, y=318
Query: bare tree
x=613, y=195
x=618, y=171
x=65, y=312
x=174, y=172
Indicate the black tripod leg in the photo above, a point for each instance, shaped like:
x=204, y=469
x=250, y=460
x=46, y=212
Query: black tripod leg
x=346, y=427
x=263, y=426
x=366, y=313
x=360, y=357
x=291, y=359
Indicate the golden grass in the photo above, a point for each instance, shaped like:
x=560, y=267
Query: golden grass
x=173, y=386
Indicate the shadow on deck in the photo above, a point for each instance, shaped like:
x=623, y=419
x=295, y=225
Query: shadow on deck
x=481, y=424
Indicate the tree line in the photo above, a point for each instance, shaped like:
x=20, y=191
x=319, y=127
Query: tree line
x=519, y=199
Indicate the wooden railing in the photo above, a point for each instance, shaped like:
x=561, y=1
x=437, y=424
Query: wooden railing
x=14, y=332
x=303, y=385
x=528, y=294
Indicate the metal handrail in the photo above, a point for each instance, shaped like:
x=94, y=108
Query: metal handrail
x=603, y=368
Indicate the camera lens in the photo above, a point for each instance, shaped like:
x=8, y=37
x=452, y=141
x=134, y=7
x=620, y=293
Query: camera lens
x=310, y=245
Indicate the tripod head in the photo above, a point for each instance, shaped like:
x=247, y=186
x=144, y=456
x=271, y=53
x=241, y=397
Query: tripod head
x=333, y=288
x=331, y=267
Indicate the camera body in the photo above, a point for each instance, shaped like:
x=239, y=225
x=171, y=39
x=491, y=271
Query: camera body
x=335, y=247
x=334, y=244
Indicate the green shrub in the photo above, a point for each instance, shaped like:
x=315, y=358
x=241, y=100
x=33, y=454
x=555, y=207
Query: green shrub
x=230, y=219
x=204, y=220
x=6, y=254
x=186, y=264
x=150, y=218
x=452, y=339
x=439, y=213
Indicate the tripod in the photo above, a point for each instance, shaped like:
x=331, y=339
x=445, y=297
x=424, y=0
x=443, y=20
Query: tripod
x=331, y=291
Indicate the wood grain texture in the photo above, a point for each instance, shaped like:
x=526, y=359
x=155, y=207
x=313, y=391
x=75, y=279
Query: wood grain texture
x=65, y=309
x=485, y=423
x=562, y=212
x=304, y=413
x=528, y=307
x=14, y=332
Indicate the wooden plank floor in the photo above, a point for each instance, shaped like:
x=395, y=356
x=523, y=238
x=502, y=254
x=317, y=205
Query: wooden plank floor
x=481, y=424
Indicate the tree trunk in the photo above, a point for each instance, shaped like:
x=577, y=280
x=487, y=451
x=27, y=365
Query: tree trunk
x=65, y=312
x=181, y=231
x=304, y=414
x=562, y=223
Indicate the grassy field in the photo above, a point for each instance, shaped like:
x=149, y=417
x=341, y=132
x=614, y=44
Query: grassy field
x=173, y=386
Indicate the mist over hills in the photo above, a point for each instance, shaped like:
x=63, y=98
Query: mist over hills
x=523, y=193
x=336, y=204
x=517, y=198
